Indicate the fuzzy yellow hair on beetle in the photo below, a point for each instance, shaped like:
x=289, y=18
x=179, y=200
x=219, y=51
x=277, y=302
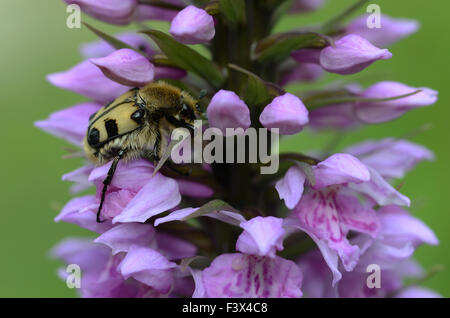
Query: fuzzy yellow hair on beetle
x=138, y=124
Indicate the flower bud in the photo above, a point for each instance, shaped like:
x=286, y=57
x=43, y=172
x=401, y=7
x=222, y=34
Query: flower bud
x=192, y=26
x=126, y=67
x=146, y=12
x=377, y=112
x=162, y=72
x=390, y=157
x=102, y=48
x=351, y=54
x=287, y=113
x=305, y=72
x=227, y=110
x=337, y=116
x=88, y=80
x=307, y=56
x=112, y=11
x=391, y=30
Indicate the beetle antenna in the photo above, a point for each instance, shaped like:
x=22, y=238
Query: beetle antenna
x=107, y=182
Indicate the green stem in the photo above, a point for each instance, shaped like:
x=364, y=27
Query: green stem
x=419, y=281
x=330, y=25
x=161, y=4
x=299, y=157
x=354, y=99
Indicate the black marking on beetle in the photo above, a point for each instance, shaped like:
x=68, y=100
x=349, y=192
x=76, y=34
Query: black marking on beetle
x=106, y=111
x=180, y=123
x=138, y=116
x=186, y=111
x=93, y=137
x=103, y=143
x=111, y=128
x=109, y=104
x=92, y=116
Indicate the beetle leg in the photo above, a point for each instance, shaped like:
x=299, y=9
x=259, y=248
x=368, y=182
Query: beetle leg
x=107, y=182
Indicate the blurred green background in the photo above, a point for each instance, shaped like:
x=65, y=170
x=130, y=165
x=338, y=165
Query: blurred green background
x=35, y=42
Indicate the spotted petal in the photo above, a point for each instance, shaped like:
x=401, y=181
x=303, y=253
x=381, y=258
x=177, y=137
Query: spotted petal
x=246, y=276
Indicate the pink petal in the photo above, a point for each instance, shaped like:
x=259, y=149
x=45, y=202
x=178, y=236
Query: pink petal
x=166, y=72
x=158, y=195
x=317, y=213
x=339, y=169
x=317, y=280
x=126, y=67
x=391, y=158
x=262, y=236
x=148, y=267
x=391, y=31
x=337, y=117
x=380, y=191
x=115, y=201
x=417, y=292
x=377, y=112
x=148, y=12
x=287, y=113
x=398, y=225
x=102, y=48
x=88, y=80
x=177, y=215
x=174, y=248
x=81, y=178
x=131, y=175
x=224, y=216
x=82, y=212
x=304, y=72
x=88, y=255
x=194, y=189
x=121, y=237
x=290, y=188
x=307, y=56
x=71, y=123
x=357, y=217
x=246, y=276
x=112, y=11
x=227, y=110
x=351, y=54
x=199, y=291
x=192, y=26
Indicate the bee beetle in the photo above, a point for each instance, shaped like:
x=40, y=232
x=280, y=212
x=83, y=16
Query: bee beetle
x=138, y=124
